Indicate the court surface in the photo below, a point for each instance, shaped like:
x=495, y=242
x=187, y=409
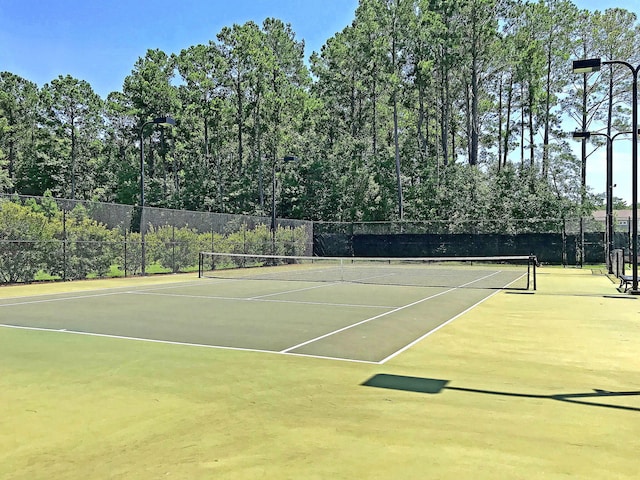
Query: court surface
x=337, y=320
x=524, y=385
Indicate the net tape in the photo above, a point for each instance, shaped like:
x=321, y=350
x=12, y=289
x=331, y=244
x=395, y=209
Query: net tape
x=514, y=271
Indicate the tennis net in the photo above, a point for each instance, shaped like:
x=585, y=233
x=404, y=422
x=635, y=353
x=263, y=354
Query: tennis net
x=518, y=272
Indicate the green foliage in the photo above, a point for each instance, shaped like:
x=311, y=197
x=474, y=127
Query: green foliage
x=47, y=205
x=246, y=241
x=174, y=248
x=293, y=241
x=40, y=241
x=5, y=181
x=89, y=246
x=129, y=257
x=429, y=110
x=27, y=241
x=260, y=241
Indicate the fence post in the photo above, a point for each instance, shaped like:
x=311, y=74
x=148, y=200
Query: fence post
x=64, y=244
x=244, y=238
x=173, y=249
x=125, y=251
x=213, y=247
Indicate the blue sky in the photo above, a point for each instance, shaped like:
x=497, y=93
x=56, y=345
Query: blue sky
x=596, y=162
x=100, y=41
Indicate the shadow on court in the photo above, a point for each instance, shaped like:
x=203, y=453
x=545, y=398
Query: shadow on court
x=435, y=386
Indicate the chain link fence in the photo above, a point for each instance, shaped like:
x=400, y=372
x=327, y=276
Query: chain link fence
x=42, y=238
x=569, y=241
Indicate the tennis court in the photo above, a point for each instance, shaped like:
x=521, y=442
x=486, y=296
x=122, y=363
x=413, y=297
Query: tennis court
x=364, y=311
x=519, y=386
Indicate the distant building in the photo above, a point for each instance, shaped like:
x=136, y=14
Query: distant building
x=622, y=218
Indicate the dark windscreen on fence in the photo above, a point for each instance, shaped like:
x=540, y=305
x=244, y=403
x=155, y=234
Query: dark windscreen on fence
x=553, y=241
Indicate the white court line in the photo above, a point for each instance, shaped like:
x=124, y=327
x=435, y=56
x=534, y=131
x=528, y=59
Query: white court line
x=184, y=344
x=385, y=314
x=294, y=290
x=178, y=285
x=371, y=277
x=282, y=352
x=122, y=289
x=83, y=294
x=442, y=325
x=78, y=297
x=321, y=286
x=257, y=299
x=274, y=277
x=79, y=294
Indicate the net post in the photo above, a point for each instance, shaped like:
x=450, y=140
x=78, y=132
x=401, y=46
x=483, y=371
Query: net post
x=531, y=271
x=200, y=264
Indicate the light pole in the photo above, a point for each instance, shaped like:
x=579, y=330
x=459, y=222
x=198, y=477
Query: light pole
x=609, y=215
x=165, y=122
x=273, y=196
x=593, y=65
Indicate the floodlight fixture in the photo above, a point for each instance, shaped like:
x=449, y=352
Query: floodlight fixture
x=587, y=65
x=165, y=121
x=593, y=65
x=585, y=135
x=581, y=135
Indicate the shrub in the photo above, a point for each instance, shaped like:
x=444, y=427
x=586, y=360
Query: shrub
x=175, y=248
x=89, y=245
x=26, y=240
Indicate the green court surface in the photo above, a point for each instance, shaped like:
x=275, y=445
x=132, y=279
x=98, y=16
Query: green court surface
x=180, y=377
x=342, y=320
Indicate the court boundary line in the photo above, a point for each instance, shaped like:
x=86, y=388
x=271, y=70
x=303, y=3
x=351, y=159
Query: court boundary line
x=442, y=325
x=433, y=330
x=286, y=351
x=80, y=294
x=258, y=299
x=51, y=300
x=203, y=297
x=362, y=322
x=182, y=344
x=109, y=290
x=313, y=287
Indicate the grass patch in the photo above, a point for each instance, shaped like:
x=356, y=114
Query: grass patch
x=43, y=276
x=115, y=271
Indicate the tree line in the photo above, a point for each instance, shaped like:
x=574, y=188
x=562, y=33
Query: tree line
x=419, y=109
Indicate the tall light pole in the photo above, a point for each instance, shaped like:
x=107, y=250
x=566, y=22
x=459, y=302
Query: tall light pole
x=165, y=122
x=593, y=65
x=273, y=196
x=609, y=215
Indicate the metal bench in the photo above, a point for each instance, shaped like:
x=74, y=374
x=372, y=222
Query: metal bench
x=626, y=281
